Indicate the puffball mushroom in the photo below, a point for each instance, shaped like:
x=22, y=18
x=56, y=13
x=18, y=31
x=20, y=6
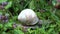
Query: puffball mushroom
x=28, y=17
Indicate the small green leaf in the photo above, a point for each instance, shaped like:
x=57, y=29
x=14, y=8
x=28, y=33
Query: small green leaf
x=8, y=24
x=1, y=1
x=9, y=5
x=3, y=32
x=1, y=25
x=16, y=31
x=32, y=5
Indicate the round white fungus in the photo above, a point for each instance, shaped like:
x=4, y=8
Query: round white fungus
x=28, y=17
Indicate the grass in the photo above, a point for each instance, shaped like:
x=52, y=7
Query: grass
x=44, y=9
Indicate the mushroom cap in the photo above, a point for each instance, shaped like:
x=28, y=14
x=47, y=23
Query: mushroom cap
x=28, y=17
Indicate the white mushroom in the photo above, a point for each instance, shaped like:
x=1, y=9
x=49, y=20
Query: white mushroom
x=28, y=17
